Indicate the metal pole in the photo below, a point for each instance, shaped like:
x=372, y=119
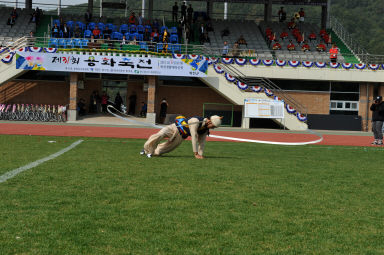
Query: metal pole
x=125, y=13
x=225, y=10
x=16, y=4
x=143, y=8
x=101, y=8
x=59, y=8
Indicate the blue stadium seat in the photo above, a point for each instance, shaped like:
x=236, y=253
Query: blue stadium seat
x=162, y=29
x=140, y=29
x=174, y=39
x=111, y=27
x=159, y=47
x=56, y=21
x=139, y=37
x=84, y=43
x=132, y=29
x=149, y=28
x=81, y=25
x=173, y=30
x=69, y=43
x=77, y=43
x=116, y=36
x=62, y=43
x=143, y=46
x=53, y=43
x=87, y=34
x=70, y=24
x=101, y=26
x=91, y=26
x=123, y=28
x=176, y=48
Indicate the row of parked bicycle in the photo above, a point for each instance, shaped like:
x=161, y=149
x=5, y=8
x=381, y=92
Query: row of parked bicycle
x=30, y=112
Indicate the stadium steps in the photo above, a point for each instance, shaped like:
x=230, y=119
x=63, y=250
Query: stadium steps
x=236, y=96
x=344, y=50
x=12, y=89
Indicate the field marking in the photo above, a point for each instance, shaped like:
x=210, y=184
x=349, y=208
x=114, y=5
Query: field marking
x=13, y=173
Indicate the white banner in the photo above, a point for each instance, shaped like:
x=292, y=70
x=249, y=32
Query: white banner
x=263, y=108
x=111, y=64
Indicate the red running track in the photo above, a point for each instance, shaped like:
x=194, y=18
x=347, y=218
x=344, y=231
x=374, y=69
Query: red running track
x=143, y=133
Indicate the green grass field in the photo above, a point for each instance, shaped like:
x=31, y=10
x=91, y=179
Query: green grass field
x=102, y=197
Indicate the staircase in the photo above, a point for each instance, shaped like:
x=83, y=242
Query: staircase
x=232, y=93
x=9, y=71
x=12, y=89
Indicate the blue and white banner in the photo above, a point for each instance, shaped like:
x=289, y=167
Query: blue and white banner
x=227, y=61
x=218, y=69
x=242, y=85
x=346, y=65
x=111, y=64
x=268, y=92
x=294, y=63
x=256, y=89
x=268, y=62
x=360, y=66
x=334, y=65
x=373, y=66
x=281, y=62
x=320, y=64
x=240, y=61
x=255, y=62
x=229, y=77
x=307, y=64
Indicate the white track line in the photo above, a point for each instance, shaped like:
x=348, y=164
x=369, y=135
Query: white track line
x=13, y=173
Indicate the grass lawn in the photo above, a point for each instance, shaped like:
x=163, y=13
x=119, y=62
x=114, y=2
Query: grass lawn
x=102, y=197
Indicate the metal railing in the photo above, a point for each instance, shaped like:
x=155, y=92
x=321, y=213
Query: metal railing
x=265, y=83
x=346, y=37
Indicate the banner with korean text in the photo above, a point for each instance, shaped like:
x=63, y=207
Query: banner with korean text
x=112, y=64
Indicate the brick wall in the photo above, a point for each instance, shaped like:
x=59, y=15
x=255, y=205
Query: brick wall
x=315, y=102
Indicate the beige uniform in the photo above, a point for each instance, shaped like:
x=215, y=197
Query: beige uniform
x=154, y=147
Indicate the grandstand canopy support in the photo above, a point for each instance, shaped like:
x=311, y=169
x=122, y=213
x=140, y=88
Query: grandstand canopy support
x=268, y=10
x=151, y=110
x=150, y=9
x=209, y=7
x=90, y=6
x=73, y=95
x=28, y=4
x=325, y=15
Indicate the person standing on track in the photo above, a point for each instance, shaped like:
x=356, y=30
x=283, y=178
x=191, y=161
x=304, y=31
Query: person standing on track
x=377, y=109
x=196, y=127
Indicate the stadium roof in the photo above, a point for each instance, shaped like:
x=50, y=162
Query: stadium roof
x=282, y=2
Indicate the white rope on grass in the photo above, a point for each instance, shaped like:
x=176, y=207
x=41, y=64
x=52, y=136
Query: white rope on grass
x=13, y=173
x=221, y=137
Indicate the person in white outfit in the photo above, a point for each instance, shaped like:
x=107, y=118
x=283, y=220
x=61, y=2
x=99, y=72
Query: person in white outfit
x=196, y=127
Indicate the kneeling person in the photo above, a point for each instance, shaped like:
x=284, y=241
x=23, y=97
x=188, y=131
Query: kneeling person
x=196, y=127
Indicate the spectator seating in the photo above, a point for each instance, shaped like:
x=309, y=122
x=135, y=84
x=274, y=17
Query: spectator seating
x=21, y=28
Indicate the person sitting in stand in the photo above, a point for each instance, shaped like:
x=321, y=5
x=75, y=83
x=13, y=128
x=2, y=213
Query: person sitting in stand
x=300, y=38
x=96, y=32
x=271, y=38
x=133, y=42
x=333, y=53
x=302, y=15
x=77, y=32
x=242, y=41
x=147, y=35
x=305, y=47
x=65, y=31
x=283, y=35
x=235, y=50
x=11, y=21
x=292, y=24
x=132, y=19
x=55, y=31
x=276, y=46
x=312, y=36
x=14, y=13
x=155, y=35
x=140, y=19
x=321, y=47
x=323, y=32
x=107, y=31
x=291, y=46
x=268, y=31
x=282, y=15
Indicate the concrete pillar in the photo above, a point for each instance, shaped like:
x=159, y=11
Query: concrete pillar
x=28, y=4
x=268, y=11
x=150, y=9
x=209, y=8
x=365, y=101
x=90, y=5
x=324, y=17
x=72, y=113
x=244, y=121
x=151, y=113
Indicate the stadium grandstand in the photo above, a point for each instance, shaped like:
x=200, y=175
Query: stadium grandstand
x=201, y=60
